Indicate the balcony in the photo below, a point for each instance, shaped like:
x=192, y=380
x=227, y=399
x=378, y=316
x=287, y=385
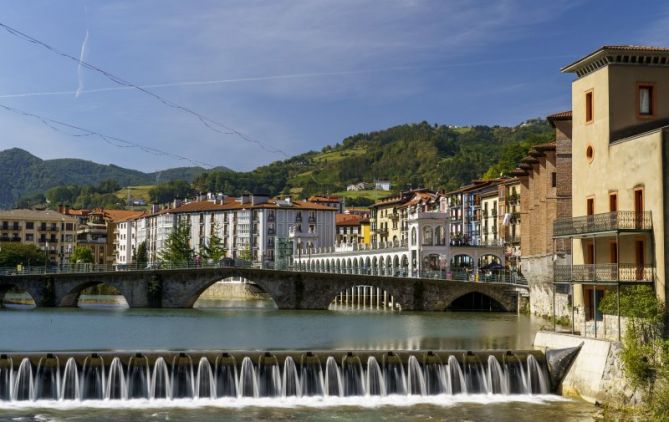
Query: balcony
x=604, y=273
x=616, y=221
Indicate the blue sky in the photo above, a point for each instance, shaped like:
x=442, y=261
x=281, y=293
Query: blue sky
x=294, y=75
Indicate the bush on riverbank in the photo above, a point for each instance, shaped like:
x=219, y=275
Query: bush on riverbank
x=645, y=353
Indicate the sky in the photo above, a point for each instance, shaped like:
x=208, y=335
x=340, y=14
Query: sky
x=271, y=79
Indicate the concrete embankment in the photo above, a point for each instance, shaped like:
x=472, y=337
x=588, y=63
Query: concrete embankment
x=596, y=375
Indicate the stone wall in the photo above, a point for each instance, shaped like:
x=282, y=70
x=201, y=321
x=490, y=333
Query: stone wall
x=538, y=270
x=597, y=374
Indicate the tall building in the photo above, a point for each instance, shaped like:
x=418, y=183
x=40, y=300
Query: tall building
x=620, y=136
x=51, y=231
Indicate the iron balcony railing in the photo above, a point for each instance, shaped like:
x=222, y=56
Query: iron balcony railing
x=606, y=222
x=604, y=273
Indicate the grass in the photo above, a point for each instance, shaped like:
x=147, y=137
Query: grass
x=374, y=195
x=136, y=192
x=333, y=156
x=461, y=130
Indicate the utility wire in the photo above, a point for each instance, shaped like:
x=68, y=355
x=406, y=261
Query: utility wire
x=206, y=121
x=64, y=128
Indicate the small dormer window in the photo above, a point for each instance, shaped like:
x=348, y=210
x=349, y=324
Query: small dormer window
x=646, y=100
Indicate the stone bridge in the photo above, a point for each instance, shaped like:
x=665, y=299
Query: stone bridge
x=289, y=289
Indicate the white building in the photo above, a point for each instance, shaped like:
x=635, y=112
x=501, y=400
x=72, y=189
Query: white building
x=382, y=185
x=248, y=226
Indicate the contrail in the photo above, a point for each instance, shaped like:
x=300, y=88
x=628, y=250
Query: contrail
x=284, y=76
x=80, y=70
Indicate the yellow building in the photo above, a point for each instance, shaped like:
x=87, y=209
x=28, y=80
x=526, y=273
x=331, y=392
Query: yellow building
x=54, y=233
x=620, y=104
x=366, y=231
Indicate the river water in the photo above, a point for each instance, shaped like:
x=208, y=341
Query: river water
x=260, y=328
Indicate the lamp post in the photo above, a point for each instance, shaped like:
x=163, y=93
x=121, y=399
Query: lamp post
x=46, y=255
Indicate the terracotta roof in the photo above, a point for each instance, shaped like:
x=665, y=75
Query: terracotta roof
x=44, y=215
x=563, y=115
x=324, y=198
x=347, y=219
x=549, y=146
x=122, y=215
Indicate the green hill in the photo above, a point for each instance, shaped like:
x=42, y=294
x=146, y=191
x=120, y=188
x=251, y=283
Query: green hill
x=22, y=174
x=409, y=155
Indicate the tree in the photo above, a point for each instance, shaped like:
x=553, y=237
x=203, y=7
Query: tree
x=177, y=249
x=81, y=255
x=13, y=254
x=214, y=249
x=141, y=257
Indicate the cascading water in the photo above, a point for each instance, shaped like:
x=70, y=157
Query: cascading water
x=117, y=388
x=93, y=378
x=393, y=372
x=70, y=387
x=248, y=383
x=475, y=379
x=205, y=385
x=376, y=386
x=182, y=377
x=415, y=379
x=455, y=377
x=291, y=380
x=161, y=387
x=23, y=381
x=47, y=378
x=352, y=376
x=138, y=377
x=515, y=374
x=537, y=383
x=270, y=375
x=312, y=375
x=496, y=378
x=226, y=376
x=433, y=374
x=6, y=377
x=333, y=384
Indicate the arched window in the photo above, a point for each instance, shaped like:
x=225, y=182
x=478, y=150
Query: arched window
x=413, y=235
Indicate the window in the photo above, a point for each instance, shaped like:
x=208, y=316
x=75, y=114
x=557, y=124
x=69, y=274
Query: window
x=646, y=100
x=613, y=202
x=554, y=179
x=589, y=153
x=30, y=225
x=590, y=206
x=589, y=107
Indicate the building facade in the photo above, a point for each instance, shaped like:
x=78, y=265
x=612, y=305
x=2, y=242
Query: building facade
x=620, y=132
x=50, y=231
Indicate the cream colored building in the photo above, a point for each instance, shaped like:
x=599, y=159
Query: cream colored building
x=54, y=233
x=620, y=104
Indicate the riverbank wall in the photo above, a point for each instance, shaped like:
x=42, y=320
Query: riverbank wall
x=597, y=374
x=538, y=270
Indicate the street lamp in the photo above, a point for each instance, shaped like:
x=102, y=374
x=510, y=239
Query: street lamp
x=46, y=255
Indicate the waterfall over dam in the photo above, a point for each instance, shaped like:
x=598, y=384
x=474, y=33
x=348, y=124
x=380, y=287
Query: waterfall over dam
x=123, y=376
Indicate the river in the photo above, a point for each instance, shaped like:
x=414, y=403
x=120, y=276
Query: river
x=261, y=328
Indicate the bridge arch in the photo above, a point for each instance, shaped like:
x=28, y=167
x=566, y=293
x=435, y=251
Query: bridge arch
x=477, y=301
x=12, y=296
x=94, y=287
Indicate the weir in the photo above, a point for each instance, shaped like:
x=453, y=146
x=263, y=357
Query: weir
x=86, y=376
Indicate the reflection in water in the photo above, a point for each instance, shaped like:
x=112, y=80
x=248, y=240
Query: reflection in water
x=261, y=328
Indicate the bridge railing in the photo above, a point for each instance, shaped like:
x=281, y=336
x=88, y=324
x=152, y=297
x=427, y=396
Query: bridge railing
x=486, y=276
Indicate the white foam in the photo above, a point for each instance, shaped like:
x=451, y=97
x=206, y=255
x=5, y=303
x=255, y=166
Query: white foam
x=287, y=402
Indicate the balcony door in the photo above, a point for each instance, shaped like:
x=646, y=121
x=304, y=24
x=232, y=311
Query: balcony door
x=640, y=258
x=638, y=208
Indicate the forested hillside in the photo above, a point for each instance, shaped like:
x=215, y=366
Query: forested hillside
x=409, y=155
x=23, y=175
